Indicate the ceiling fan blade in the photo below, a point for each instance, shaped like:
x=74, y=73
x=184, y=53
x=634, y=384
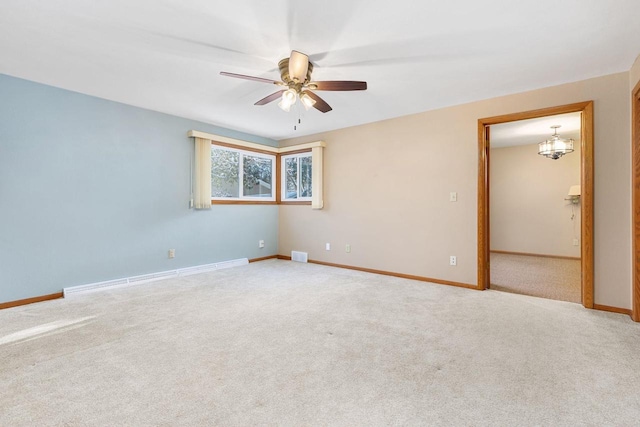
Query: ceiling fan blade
x=255, y=79
x=270, y=98
x=338, y=85
x=320, y=104
x=298, y=65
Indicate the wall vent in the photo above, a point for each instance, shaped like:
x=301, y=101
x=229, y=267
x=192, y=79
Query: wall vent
x=152, y=277
x=299, y=256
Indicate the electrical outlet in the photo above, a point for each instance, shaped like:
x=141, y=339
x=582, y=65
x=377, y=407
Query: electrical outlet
x=453, y=260
x=576, y=242
x=327, y=246
x=261, y=243
x=453, y=196
x=172, y=253
x=347, y=248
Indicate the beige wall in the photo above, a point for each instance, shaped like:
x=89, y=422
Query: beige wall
x=387, y=189
x=634, y=74
x=529, y=212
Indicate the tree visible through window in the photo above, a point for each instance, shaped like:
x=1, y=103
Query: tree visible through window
x=228, y=165
x=224, y=173
x=257, y=176
x=297, y=177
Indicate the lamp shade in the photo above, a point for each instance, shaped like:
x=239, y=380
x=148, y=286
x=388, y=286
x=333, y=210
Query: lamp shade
x=574, y=190
x=288, y=99
x=306, y=100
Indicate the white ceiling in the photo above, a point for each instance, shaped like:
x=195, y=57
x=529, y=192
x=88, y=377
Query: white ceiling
x=533, y=131
x=415, y=55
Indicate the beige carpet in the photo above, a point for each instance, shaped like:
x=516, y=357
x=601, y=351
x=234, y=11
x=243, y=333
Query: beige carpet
x=283, y=343
x=537, y=276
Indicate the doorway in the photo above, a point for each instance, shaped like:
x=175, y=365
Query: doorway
x=585, y=109
x=535, y=208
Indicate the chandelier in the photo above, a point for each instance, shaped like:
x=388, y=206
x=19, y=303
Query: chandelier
x=555, y=147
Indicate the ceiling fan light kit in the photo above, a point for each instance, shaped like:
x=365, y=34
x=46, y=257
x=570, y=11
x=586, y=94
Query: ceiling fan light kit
x=295, y=73
x=288, y=99
x=306, y=100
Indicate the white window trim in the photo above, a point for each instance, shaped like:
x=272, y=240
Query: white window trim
x=232, y=141
x=317, y=160
x=283, y=184
x=241, y=175
x=253, y=145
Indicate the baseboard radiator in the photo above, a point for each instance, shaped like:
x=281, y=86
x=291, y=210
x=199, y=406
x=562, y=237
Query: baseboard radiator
x=152, y=277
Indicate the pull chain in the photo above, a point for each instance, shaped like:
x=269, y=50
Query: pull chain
x=295, y=126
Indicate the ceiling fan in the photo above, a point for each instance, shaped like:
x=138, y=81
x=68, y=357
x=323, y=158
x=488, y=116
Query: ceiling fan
x=295, y=73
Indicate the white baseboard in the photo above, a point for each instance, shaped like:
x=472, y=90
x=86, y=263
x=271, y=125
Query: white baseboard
x=152, y=277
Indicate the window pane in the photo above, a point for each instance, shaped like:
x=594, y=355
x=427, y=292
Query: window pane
x=225, y=167
x=257, y=176
x=291, y=175
x=305, y=176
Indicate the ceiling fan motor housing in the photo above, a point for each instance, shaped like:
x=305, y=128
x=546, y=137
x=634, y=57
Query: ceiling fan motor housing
x=283, y=65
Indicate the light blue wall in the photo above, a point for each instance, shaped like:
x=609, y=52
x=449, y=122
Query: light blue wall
x=92, y=190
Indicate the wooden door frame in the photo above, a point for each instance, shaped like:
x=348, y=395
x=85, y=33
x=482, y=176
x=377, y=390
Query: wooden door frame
x=586, y=202
x=635, y=189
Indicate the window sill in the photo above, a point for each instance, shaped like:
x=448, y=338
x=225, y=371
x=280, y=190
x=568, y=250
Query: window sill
x=243, y=202
x=257, y=202
x=296, y=203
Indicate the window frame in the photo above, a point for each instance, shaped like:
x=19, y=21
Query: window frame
x=317, y=156
x=245, y=151
x=283, y=181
